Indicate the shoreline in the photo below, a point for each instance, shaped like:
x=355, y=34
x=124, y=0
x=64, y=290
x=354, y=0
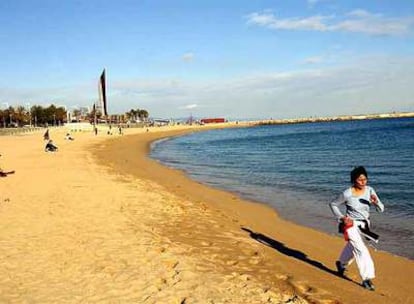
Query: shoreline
x=292, y=242
x=100, y=222
x=288, y=204
x=397, y=115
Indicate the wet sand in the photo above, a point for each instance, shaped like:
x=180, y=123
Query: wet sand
x=100, y=222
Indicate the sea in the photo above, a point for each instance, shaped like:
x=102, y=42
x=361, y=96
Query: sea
x=297, y=169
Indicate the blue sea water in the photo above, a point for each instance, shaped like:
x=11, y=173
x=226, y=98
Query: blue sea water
x=299, y=168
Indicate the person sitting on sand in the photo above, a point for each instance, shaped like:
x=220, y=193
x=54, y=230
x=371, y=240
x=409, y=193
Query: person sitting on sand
x=69, y=137
x=5, y=173
x=50, y=147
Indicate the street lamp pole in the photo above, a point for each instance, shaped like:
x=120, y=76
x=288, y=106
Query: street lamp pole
x=5, y=105
x=30, y=114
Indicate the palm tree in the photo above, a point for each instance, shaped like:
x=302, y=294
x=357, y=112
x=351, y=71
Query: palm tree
x=9, y=114
x=61, y=114
x=37, y=114
x=21, y=116
x=143, y=115
x=132, y=114
x=3, y=118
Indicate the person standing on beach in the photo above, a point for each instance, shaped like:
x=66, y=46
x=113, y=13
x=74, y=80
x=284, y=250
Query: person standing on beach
x=357, y=199
x=46, y=135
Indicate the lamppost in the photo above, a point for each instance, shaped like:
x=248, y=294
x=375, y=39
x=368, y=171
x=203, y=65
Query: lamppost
x=54, y=120
x=30, y=113
x=6, y=106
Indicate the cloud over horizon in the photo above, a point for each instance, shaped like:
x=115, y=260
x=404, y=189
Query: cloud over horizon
x=188, y=57
x=356, y=21
x=366, y=85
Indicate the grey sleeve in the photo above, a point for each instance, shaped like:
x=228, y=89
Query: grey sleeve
x=334, y=205
x=380, y=206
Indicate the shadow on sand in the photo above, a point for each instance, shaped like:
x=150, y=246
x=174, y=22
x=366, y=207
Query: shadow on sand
x=297, y=254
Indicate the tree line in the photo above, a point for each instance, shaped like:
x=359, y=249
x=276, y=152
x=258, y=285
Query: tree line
x=132, y=116
x=36, y=115
x=53, y=115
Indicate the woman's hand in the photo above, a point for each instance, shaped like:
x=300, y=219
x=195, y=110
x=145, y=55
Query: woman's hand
x=347, y=221
x=374, y=199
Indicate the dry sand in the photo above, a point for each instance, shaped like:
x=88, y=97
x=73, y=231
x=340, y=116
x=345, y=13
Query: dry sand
x=100, y=222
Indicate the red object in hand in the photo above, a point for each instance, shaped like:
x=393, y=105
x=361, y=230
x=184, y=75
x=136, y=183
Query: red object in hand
x=348, y=223
x=374, y=199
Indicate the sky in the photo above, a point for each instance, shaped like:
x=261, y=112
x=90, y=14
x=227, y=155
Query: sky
x=236, y=59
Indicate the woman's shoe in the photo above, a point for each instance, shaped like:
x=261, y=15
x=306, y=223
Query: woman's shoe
x=367, y=284
x=340, y=268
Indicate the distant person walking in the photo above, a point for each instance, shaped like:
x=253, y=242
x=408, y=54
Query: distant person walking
x=357, y=200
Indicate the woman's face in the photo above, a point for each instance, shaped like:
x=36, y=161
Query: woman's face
x=361, y=181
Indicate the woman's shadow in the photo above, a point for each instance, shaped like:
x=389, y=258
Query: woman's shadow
x=297, y=254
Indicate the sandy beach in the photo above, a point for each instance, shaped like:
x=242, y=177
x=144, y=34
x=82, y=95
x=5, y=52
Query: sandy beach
x=100, y=222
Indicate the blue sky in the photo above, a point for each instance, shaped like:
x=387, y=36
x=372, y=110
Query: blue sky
x=233, y=59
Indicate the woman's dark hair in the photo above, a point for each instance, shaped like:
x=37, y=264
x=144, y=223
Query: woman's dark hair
x=356, y=172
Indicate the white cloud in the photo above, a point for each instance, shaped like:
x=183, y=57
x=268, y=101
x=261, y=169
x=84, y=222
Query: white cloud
x=358, y=21
x=374, y=24
x=85, y=95
x=270, y=21
x=367, y=85
x=189, y=107
x=362, y=14
x=188, y=57
x=313, y=60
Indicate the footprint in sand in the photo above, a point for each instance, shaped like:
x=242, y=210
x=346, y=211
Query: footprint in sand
x=232, y=263
x=312, y=294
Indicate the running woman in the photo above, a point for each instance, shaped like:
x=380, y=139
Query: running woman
x=357, y=200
